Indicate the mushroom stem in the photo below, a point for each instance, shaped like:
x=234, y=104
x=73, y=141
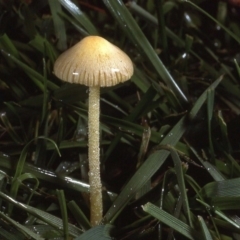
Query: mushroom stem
x=96, y=208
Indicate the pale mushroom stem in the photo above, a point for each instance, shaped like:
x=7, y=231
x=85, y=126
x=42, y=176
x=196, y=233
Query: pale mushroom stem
x=96, y=209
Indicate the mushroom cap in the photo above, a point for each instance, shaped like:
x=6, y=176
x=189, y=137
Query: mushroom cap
x=94, y=62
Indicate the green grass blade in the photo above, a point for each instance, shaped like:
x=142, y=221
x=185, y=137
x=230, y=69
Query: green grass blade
x=133, y=31
x=226, y=218
x=225, y=188
x=19, y=169
x=102, y=232
x=203, y=98
x=139, y=179
x=42, y=215
x=147, y=169
x=49, y=176
x=154, y=161
x=3, y=183
x=161, y=25
x=75, y=23
x=224, y=132
x=45, y=93
x=138, y=10
x=63, y=207
x=226, y=203
x=46, y=231
x=233, y=163
x=210, y=106
x=21, y=228
x=181, y=184
x=205, y=231
x=7, y=235
x=36, y=77
x=44, y=47
x=172, y=222
x=144, y=145
x=12, y=107
x=81, y=17
x=7, y=44
x=24, y=153
x=16, y=183
x=145, y=101
x=237, y=67
x=59, y=25
x=79, y=215
x=10, y=129
x=235, y=37
x=212, y=170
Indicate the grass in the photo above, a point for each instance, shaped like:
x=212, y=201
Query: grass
x=169, y=137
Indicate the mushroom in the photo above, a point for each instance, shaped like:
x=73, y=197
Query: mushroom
x=96, y=63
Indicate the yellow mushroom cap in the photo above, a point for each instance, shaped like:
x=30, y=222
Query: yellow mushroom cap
x=94, y=62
